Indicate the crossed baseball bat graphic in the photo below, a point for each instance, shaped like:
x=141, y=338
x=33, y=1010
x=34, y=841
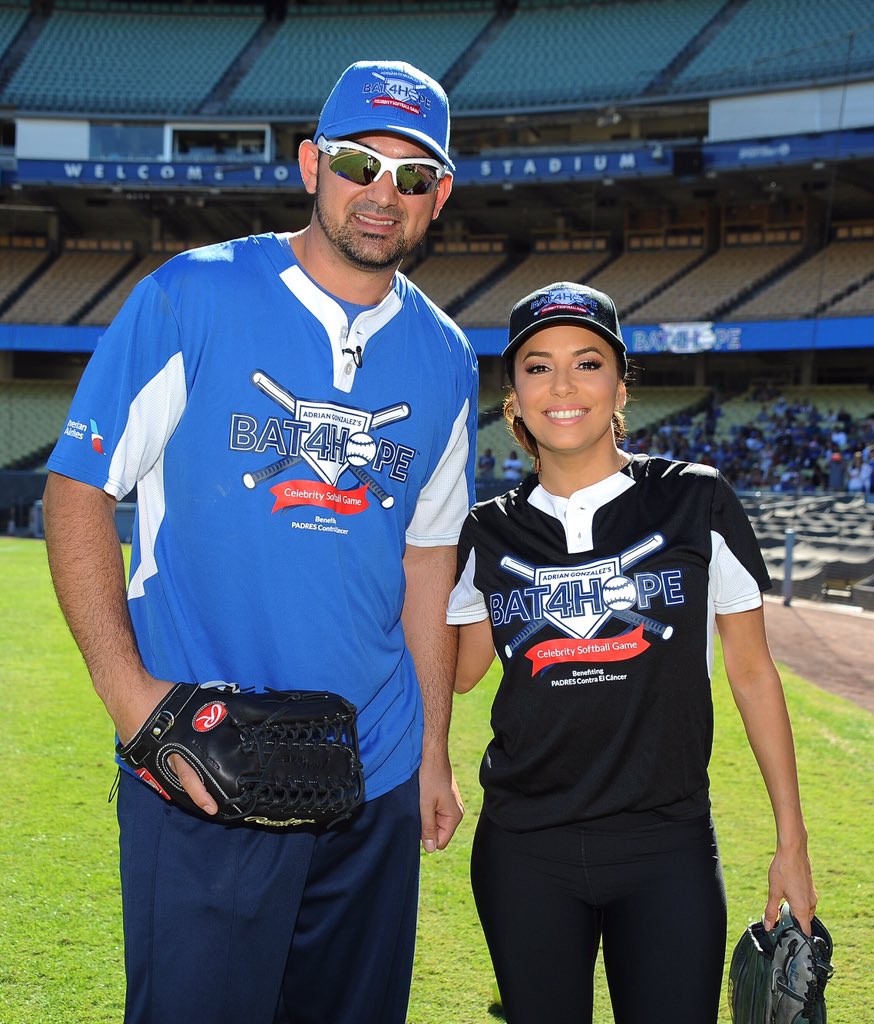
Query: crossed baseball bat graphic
x=631, y=556
x=381, y=418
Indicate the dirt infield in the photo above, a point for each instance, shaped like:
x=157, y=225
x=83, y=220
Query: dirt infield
x=828, y=645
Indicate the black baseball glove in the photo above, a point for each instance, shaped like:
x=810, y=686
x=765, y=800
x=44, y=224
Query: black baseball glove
x=778, y=977
x=277, y=759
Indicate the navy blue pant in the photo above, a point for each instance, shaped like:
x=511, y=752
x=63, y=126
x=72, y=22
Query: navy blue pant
x=242, y=926
x=652, y=896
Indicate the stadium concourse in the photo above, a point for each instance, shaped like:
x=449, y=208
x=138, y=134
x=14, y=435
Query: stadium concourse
x=708, y=163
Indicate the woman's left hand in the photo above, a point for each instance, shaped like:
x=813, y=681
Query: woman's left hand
x=790, y=879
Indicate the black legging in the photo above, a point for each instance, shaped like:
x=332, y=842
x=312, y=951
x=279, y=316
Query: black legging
x=654, y=894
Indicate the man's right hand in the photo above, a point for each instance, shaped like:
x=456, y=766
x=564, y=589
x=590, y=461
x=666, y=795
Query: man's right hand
x=137, y=707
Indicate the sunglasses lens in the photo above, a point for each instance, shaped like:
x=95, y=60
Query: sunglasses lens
x=363, y=169
x=354, y=166
x=416, y=180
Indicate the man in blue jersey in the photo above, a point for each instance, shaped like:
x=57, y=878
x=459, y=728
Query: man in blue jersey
x=299, y=422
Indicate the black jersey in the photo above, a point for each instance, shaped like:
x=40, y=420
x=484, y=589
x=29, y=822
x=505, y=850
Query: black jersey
x=605, y=707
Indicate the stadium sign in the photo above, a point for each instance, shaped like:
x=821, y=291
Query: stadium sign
x=563, y=166
x=789, y=149
x=644, y=160
x=515, y=169
x=141, y=174
x=699, y=338
x=685, y=338
x=692, y=339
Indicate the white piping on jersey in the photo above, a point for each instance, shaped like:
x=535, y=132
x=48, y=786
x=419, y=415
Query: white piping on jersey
x=577, y=512
x=332, y=317
x=138, y=458
x=441, y=510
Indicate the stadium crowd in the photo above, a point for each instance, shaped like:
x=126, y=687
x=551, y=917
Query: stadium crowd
x=784, y=446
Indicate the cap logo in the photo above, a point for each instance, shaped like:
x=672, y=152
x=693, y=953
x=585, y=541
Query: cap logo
x=564, y=299
x=395, y=92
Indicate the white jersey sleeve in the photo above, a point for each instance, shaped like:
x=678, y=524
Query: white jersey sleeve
x=732, y=586
x=445, y=499
x=737, y=571
x=466, y=603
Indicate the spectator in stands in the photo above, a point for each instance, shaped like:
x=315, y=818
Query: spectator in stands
x=229, y=925
x=596, y=817
x=513, y=468
x=859, y=475
x=836, y=472
x=486, y=465
x=786, y=446
x=839, y=436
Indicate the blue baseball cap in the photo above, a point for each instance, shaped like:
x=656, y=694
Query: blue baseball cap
x=388, y=96
x=564, y=302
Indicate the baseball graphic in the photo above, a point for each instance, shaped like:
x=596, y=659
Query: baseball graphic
x=619, y=593
x=360, y=449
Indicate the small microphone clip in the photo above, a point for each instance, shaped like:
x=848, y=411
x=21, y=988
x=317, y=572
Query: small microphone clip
x=356, y=355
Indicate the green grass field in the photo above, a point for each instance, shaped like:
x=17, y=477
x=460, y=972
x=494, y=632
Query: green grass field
x=60, y=929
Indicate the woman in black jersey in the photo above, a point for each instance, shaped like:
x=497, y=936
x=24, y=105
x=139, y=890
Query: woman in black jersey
x=598, y=580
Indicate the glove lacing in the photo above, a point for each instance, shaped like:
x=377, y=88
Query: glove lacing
x=819, y=969
x=267, y=739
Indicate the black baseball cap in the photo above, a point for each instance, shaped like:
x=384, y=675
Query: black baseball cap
x=564, y=302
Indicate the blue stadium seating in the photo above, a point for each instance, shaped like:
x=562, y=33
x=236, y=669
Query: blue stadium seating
x=300, y=64
x=767, y=43
x=581, y=54
x=120, y=61
x=11, y=20
x=97, y=56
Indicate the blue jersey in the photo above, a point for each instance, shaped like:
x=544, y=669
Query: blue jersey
x=282, y=460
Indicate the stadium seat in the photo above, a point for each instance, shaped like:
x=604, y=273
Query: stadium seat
x=129, y=60
x=766, y=43
x=636, y=275
x=16, y=266
x=65, y=287
x=811, y=287
x=721, y=279
x=301, y=62
x=581, y=53
x=493, y=306
x=447, y=278
x=32, y=416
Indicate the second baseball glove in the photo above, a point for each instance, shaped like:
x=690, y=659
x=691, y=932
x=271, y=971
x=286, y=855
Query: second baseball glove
x=278, y=759
x=779, y=977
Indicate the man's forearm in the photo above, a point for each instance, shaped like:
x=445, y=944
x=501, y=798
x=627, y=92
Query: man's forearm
x=88, y=573
x=433, y=644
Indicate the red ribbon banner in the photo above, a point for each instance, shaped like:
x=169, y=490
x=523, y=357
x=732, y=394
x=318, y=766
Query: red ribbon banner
x=310, y=492
x=611, y=648
x=390, y=101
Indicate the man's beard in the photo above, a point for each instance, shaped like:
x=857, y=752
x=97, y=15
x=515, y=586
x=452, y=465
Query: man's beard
x=367, y=252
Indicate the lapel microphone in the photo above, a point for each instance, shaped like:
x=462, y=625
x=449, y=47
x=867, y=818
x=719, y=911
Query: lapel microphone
x=356, y=355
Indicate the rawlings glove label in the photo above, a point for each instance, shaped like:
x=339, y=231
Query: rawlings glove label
x=209, y=716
